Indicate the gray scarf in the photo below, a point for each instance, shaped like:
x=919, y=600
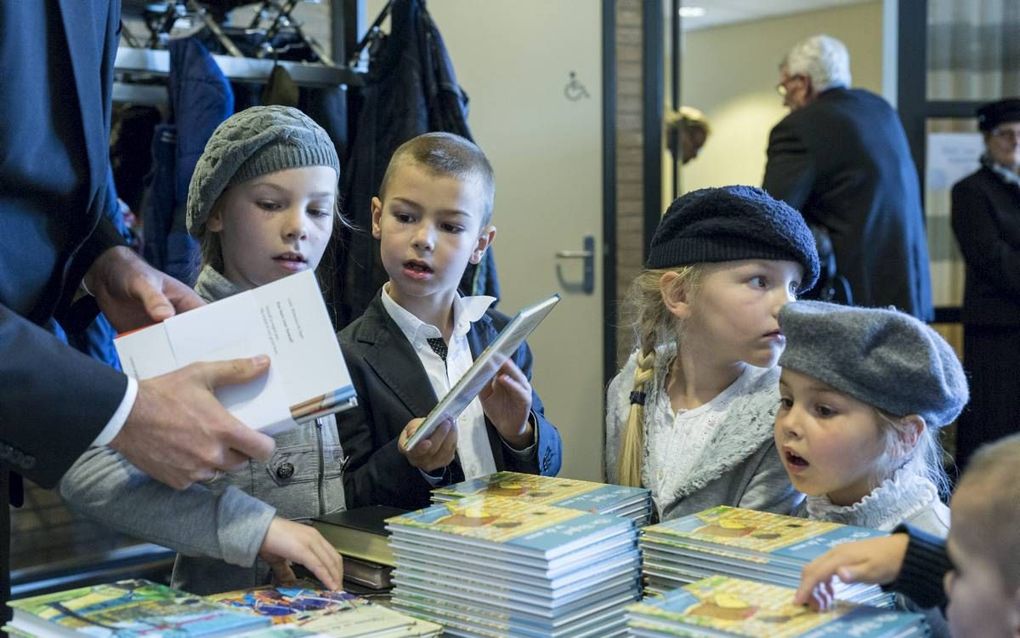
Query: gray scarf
x=213, y=286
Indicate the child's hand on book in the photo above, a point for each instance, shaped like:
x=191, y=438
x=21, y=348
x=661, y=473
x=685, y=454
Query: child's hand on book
x=876, y=561
x=506, y=400
x=433, y=453
x=287, y=542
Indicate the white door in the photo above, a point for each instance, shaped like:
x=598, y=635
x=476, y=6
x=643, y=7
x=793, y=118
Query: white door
x=533, y=72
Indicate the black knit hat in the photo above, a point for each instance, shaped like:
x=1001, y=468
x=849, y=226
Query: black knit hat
x=731, y=223
x=885, y=358
x=995, y=113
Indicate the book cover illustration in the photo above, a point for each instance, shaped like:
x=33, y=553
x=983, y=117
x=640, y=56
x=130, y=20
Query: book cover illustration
x=749, y=608
x=503, y=520
x=545, y=490
x=135, y=608
x=797, y=538
x=336, y=613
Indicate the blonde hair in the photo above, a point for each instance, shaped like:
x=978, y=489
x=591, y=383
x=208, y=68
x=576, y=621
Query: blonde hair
x=654, y=325
x=926, y=458
x=993, y=475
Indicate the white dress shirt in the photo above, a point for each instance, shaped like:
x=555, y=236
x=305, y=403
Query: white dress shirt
x=472, y=437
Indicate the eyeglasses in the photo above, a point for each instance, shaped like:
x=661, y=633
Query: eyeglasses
x=1006, y=134
x=781, y=88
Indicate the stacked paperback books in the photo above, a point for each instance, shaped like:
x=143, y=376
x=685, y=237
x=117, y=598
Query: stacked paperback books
x=730, y=541
x=722, y=606
x=495, y=566
x=634, y=503
x=141, y=608
x=325, y=613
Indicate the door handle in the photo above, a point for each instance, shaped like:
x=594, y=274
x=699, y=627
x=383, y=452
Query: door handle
x=587, y=255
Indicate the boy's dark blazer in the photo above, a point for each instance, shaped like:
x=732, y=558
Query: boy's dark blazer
x=393, y=388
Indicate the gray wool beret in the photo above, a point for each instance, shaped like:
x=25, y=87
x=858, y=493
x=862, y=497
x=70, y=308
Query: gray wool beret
x=885, y=358
x=732, y=223
x=251, y=143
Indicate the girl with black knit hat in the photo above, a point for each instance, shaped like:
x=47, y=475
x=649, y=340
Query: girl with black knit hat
x=690, y=415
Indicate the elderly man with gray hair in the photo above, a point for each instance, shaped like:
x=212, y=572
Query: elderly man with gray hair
x=841, y=158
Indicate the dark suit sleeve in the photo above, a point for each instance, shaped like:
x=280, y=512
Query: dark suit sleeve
x=789, y=173
x=549, y=453
x=984, y=248
x=376, y=472
x=54, y=401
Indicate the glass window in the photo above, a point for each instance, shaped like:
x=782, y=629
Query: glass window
x=973, y=49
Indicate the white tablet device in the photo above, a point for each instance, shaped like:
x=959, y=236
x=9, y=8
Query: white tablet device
x=484, y=368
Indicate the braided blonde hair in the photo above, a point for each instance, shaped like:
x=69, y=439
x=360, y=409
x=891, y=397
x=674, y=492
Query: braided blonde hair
x=654, y=325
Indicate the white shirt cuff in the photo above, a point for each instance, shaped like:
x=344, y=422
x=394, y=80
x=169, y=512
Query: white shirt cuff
x=116, y=422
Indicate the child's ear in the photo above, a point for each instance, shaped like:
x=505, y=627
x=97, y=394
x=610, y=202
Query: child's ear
x=376, y=217
x=911, y=428
x=674, y=295
x=485, y=239
x=214, y=224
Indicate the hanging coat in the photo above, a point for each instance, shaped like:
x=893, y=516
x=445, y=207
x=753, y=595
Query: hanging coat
x=411, y=88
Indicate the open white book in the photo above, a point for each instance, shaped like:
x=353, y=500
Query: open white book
x=484, y=368
x=286, y=320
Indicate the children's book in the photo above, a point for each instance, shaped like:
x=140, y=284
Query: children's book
x=587, y=496
x=752, y=535
x=486, y=365
x=286, y=320
x=723, y=606
x=128, y=608
x=334, y=613
x=507, y=525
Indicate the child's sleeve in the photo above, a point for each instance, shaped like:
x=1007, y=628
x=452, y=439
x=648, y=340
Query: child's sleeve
x=924, y=567
x=230, y=526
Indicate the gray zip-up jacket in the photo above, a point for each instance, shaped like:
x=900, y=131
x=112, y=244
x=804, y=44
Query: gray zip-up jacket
x=743, y=469
x=223, y=521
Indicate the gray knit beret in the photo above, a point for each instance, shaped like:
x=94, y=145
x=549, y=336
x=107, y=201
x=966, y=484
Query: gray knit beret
x=885, y=358
x=731, y=223
x=254, y=142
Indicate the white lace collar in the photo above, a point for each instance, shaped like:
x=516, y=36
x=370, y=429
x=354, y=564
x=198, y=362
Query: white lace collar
x=895, y=500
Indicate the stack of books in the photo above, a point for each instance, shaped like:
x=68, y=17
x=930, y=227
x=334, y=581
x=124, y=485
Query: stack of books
x=730, y=541
x=321, y=612
x=127, y=608
x=721, y=606
x=360, y=536
x=634, y=503
x=494, y=566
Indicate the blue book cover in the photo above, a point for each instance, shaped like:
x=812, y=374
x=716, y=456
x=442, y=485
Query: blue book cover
x=131, y=608
x=747, y=608
x=510, y=525
x=547, y=490
x=797, y=539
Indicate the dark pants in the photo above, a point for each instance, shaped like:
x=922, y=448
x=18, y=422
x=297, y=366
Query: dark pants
x=5, y=546
x=990, y=356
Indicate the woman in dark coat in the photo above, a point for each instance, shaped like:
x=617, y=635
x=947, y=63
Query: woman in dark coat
x=986, y=222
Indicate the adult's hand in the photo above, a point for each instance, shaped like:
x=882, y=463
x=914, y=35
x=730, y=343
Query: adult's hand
x=178, y=432
x=133, y=294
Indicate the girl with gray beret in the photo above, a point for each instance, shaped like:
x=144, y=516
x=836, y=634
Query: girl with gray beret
x=864, y=393
x=690, y=415
x=262, y=200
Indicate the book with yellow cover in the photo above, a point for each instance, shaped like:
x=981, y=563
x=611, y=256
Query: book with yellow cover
x=723, y=606
x=587, y=496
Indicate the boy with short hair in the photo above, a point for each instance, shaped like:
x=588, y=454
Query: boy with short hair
x=419, y=336
x=979, y=566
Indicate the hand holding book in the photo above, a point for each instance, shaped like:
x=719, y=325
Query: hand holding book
x=506, y=401
x=432, y=453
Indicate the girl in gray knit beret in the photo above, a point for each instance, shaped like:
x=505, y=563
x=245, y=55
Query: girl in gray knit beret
x=263, y=203
x=690, y=415
x=864, y=393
